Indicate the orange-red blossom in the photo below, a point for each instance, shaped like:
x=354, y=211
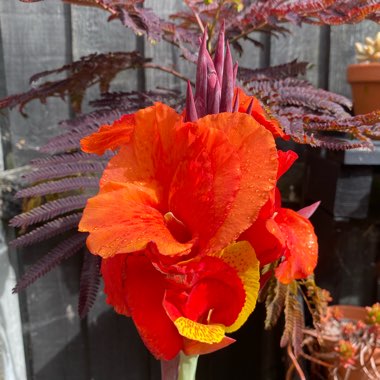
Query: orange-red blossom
x=172, y=204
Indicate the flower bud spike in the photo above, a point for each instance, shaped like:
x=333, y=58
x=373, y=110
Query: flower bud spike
x=219, y=53
x=235, y=108
x=236, y=66
x=212, y=80
x=250, y=107
x=201, y=78
x=191, y=112
x=227, y=83
x=215, y=105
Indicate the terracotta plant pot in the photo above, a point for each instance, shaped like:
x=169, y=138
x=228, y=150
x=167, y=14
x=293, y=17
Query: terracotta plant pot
x=355, y=313
x=365, y=83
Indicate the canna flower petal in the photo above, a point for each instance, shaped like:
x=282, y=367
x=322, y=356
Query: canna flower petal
x=126, y=220
x=301, y=253
x=215, y=293
x=258, y=164
x=267, y=238
x=199, y=332
x=109, y=136
x=283, y=234
x=191, y=305
x=242, y=258
x=213, y=176
x=113, y=273
x=193, y=347
x=145, y=288
x=285, y=161
x=258, y=113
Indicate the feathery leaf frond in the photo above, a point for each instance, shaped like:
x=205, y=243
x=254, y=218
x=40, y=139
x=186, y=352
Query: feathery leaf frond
x=50, y=260
x=49, y=210
x=89, y=283
x=48, y=230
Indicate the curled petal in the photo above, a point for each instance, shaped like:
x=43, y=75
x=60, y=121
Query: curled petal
x=267, y=239
x=301, y=252
x=242, y=258
x=126, y=220
x=285, y=161
x=109, y=136
x=197, y=331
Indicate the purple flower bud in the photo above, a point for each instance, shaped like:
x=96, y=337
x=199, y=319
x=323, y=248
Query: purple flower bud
x=219, y=54
x=227, y=83
x=235, y=107
x=191, y=112
x=250, y=107
x=201, y=78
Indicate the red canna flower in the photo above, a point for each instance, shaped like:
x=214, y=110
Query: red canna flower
x=186, y=306
x=172, y=203
x=185, y=186
x=191, y=188
x=283, y=234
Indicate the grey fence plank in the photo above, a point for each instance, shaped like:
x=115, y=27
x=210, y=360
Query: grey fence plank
x=253, y=56
x=33, y=41
x=342, y=52
x=91, y=33
x=165, y=54
x=302, y=44
x=33, y=38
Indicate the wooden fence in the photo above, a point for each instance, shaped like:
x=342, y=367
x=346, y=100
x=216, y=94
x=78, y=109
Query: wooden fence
x=41, y=36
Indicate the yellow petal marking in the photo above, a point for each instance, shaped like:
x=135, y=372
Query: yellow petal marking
x=199, y=332
x=241, y=256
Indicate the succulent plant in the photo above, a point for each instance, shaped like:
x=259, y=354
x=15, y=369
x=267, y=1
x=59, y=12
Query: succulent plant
x=369, y=51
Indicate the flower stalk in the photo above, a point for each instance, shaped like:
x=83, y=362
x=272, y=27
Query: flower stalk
x=182, y=367
x=187, y=366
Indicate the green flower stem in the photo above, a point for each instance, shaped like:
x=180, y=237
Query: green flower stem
x=187, y=367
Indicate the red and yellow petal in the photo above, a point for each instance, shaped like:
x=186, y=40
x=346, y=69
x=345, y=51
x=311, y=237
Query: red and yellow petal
x=301, y=253
x=126, y=220
x=110, y=136
x=257, y=152
x=242, y=258
x=214, y=295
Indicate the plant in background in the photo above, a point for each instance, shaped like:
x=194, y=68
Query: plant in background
x=344, y=342
x=364, y=77
x=368, y=51
x=187, y=257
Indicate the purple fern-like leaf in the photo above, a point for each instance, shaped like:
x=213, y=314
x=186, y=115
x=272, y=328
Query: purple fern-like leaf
x=63, y=170
x=49, y=210
x=48, y=230
x=59, y=186
x=61, y=159
x=50, y=260
x=89, y=283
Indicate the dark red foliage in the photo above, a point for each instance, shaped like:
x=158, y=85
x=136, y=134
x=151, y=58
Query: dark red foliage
x=93, y=69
